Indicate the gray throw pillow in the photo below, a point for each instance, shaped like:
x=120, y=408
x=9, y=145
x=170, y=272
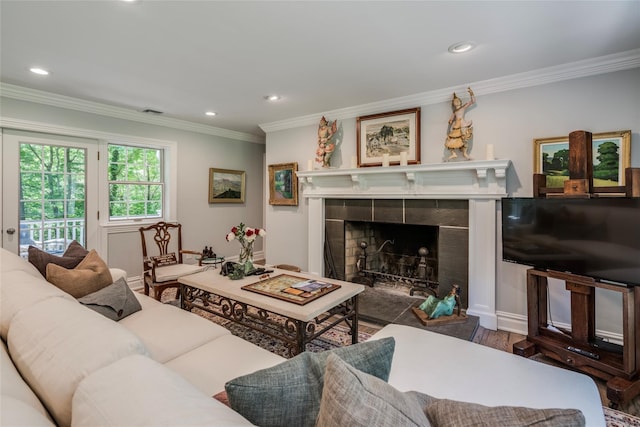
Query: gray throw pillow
x=115, y=301
x=289, y=394
x=355, y=399
x=74, y=254
x=451, y=413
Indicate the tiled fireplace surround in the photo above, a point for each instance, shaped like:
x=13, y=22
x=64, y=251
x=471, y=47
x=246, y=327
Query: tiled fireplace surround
x=441, y=226
x=480, y=184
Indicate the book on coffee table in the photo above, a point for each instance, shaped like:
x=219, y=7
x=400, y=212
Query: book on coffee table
x=298, y=290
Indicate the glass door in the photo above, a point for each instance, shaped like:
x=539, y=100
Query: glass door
x=49, y=197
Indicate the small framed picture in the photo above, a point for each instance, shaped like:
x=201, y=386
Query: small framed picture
x=611, y=156
x=283, y=184
x=388, y=136
x=226, y=186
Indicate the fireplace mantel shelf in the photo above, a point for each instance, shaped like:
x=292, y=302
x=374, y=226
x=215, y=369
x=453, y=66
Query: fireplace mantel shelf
x=468, y=179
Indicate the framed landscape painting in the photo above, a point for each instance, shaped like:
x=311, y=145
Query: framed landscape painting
x=226, y=186
x=283, y=184
x=388, y=133
x=611, y=156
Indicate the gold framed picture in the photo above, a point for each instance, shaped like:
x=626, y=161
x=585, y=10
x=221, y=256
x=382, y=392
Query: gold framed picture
x=611, y=156
x=387, y=135
x=283, y=184
x=226, y=186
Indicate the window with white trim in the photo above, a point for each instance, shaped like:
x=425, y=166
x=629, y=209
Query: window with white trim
x=136, y=182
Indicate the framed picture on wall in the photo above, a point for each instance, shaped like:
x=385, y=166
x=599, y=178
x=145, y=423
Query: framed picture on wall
x=226, y=186
x=611, y=155
x=283, y=184
x=388, y=135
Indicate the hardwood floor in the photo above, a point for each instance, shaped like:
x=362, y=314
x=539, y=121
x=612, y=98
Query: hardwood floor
x=502, y=340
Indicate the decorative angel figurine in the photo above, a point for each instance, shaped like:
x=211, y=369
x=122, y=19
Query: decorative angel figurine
x=325, y=145
x=460, y=130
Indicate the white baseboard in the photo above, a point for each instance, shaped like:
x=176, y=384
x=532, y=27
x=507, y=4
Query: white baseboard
x=517, y=323
x=135, y=283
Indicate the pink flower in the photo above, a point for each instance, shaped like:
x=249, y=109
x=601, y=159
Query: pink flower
x=230, y=236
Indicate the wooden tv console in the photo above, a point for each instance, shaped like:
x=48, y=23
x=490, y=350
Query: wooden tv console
x=580, y=348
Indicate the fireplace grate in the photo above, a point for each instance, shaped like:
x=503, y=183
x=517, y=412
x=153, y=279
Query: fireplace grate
x=421, y=279
x=415, y=284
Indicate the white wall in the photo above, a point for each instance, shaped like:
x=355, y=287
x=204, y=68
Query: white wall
x=510, y=121
x=203, y=223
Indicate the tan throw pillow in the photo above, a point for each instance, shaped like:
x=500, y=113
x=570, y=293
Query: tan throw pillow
x=90, y=275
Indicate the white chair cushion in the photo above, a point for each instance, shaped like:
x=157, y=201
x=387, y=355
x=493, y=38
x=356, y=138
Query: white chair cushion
x=168, y=331
x=173, y=272
x=20, y=289
x=237, y=356
x=56, y=343
x=126, y=393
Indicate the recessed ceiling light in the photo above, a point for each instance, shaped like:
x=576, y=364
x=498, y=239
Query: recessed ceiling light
x=40, y=71
x=273, y=97
x=210, y=113
x=461, y=47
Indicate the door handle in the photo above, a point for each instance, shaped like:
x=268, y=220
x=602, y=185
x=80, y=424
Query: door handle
x=11, y=230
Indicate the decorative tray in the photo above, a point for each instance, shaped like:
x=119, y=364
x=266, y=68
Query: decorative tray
x=298, y=290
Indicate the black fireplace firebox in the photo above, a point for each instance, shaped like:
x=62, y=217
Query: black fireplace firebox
x=415, y=245
x=396, y=254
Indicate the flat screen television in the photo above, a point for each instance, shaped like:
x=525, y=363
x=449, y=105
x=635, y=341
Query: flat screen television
x=597, y=237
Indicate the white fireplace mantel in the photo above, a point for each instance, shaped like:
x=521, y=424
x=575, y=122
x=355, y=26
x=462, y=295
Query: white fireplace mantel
x=481, y=182
x=480, y=179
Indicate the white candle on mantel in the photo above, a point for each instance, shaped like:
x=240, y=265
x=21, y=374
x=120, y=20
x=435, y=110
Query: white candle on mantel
x=403, y=158
x=490, y=154
x=354, y=162
x=385, y=160
x=309, y=165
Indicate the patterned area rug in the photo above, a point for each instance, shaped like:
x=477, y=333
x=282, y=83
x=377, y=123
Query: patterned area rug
x=616, y=418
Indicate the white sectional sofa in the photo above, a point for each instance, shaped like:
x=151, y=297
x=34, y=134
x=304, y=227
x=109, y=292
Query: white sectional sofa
x=64, y=364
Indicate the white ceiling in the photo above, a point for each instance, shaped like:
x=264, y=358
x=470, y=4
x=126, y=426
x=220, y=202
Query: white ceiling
x=186, y=57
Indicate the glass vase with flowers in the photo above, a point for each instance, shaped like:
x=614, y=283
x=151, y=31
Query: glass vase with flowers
x=246, y=236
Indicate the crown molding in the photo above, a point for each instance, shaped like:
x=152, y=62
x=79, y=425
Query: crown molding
x=590, y=67
x=47, y=98
x=28, y=125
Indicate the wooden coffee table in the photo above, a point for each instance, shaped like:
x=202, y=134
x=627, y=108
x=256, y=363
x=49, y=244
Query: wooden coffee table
x=294, y=324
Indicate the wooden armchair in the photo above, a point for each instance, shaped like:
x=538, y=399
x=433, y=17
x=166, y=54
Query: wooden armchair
x=161, y=267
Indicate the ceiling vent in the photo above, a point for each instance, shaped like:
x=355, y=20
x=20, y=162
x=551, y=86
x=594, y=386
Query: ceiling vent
x=151, y=111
